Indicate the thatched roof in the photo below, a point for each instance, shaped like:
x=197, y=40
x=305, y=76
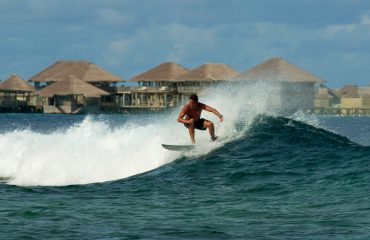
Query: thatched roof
x=364, y=91
x=277, y=69
x=353, y=91
x=168, y=71
x=210, y=72
x=16, y=84
x=71, y=86
x=323, y=93
x=83, y=70
x=348, y=91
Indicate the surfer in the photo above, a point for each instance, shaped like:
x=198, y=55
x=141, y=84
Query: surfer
x=192, y=111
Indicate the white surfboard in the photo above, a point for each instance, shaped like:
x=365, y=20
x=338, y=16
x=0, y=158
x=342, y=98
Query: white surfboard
x=179, y=148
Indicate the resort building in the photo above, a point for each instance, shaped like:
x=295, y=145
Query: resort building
x=157, y=88
x=83, y=87
x=16, y=95
x=354, y=100
x=203, y=77
x=326, y=98
x=349, y=100
x=170, y=84
x=71, y=95
x=83, y=70
x=293, y=87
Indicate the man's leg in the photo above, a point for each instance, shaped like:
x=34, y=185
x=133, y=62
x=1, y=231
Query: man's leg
x=192, y=131
x=211, y=129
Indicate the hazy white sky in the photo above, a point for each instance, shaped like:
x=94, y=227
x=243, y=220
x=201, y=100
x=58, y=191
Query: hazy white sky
x=329, y=38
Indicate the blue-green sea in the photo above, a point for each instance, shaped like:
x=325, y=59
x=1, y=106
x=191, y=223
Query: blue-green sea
x=107, y=177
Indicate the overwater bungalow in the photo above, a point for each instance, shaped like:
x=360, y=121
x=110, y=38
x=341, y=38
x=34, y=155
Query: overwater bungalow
x=83, y=70
x=16, y=95
x=326, y=98
x=326, y=102
x=293, y=87
x=170, y=84
x=349, y=100
x=354, y=100
x=157, y=88
x=204, y=76
x=71, y=95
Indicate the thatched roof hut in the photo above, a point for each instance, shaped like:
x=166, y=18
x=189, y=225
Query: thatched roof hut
x=348, y=91
x=326, y=93
x=353, y=91
x=83, y=70
x=16, y=84
x=323, y=93
x=210, y=72
x=168, y=71
x=277, y=69
x=71, y=86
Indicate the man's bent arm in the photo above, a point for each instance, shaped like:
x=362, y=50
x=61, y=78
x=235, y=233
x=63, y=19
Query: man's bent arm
x=180, y=118
x=210, y=109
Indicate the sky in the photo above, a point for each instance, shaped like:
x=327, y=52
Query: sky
x=328, y=38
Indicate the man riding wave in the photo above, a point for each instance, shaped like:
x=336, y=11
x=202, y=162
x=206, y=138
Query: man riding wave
x=192, y=112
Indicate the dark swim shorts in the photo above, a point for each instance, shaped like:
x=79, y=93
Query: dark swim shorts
x=199, y=124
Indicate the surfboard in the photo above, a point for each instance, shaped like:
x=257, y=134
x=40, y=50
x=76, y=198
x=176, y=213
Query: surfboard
x=178, y=147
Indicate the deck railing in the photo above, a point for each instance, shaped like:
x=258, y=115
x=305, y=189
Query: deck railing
x=189, y=89
x=145, y=89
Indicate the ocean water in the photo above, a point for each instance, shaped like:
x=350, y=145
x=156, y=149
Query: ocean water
x=107, y=176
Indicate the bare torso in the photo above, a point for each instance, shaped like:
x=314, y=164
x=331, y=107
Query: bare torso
x=191, y=112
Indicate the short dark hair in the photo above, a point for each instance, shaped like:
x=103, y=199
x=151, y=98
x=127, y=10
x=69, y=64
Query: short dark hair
x=194, y=97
